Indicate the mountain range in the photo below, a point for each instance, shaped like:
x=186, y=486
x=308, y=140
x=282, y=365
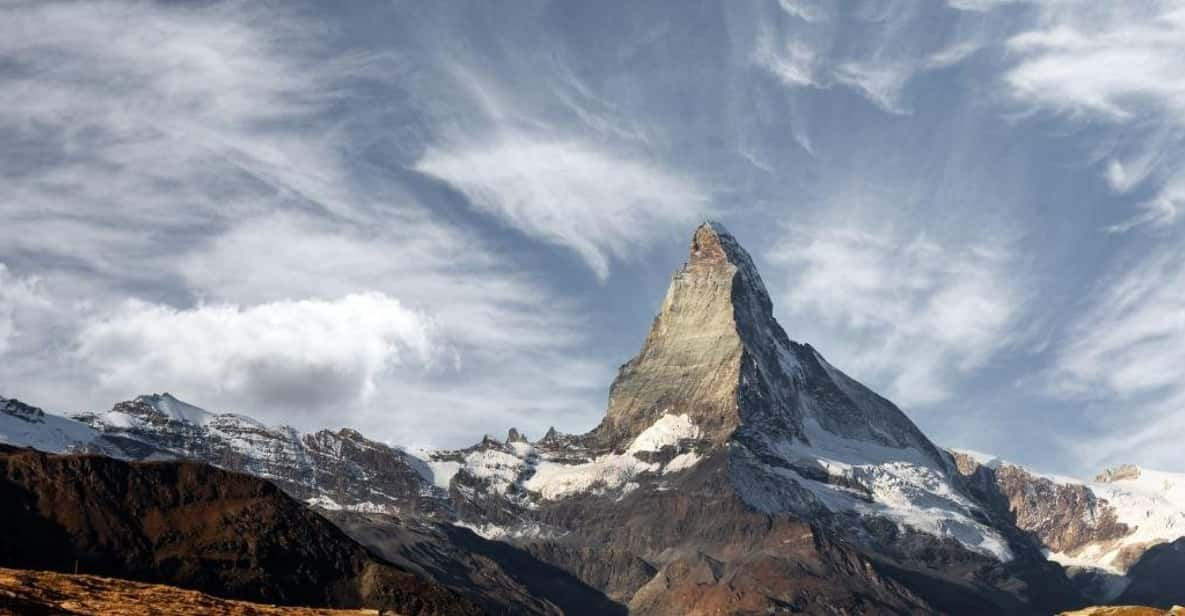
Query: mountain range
x=735, y=471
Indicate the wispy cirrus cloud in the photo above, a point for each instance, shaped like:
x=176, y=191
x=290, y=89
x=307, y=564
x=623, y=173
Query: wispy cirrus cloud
x=600, y=204
x=1121, y=360
x=1115, y=64
x=912, y=315
x=810, y=49
x=197, y=160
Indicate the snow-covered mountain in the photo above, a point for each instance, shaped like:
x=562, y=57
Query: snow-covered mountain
x=735, y=470
x=718, y=374
x=339, y=469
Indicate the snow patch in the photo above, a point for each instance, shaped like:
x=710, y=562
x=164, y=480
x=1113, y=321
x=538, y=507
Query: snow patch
x=666, y=432
x=1153, y=503
x=176, y=409
x=499, y=468
x=681, y=462
x=554, y=480
x=442, y=472
x=50, y=433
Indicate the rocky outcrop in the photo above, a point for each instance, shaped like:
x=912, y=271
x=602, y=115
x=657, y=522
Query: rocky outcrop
x=191, y=525
x=1122, y=472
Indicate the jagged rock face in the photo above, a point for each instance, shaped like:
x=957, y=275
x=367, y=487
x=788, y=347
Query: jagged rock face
x=1063, y=517
x=691, y=360
x=723, y=440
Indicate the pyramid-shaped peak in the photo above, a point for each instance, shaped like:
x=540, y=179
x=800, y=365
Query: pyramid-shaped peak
x=716, y=354
x=716, y=253
x=712, y=244
x=715, y=314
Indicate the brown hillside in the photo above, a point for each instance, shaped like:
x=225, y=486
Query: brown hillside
x=191, y=525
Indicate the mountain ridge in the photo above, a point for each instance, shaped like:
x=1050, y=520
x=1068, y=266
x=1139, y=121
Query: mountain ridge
x=723, y=442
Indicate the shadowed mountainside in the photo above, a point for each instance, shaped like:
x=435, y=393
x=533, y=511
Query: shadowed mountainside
x=195, y=526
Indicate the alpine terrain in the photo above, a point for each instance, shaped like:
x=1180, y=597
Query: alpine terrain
x=735, y=471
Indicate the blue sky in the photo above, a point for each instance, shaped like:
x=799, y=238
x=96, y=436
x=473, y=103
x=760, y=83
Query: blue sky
x=434, y=220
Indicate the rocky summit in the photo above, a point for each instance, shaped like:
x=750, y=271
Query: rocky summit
x=735, y=471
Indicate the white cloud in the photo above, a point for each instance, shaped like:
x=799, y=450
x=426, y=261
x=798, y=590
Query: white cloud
x=137, y=116
x=206, y=159
x=24, y=308
x=810, y=50
x=912, y=315
x=1131, y=341
x=1121, y=361
x=598, y=203
x=1115, y=63
x=308, y=354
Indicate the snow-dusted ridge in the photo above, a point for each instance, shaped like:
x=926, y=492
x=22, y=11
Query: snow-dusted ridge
x=337, y=470
x=552, y=473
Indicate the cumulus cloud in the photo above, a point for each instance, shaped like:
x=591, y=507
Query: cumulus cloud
x=308, y=354
x=599, y=204
x=912, y=315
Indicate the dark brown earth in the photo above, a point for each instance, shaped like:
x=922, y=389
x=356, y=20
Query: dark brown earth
x=195, y=526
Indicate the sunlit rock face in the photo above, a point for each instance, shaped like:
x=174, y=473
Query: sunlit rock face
x=691, y=361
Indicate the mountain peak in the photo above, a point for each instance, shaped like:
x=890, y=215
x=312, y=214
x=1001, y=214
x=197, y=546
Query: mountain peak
x=169, y=406
x=715, y=314
x=716, y=354
x=706, y=246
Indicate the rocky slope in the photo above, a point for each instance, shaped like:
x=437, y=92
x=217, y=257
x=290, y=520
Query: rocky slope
x=191, y=525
